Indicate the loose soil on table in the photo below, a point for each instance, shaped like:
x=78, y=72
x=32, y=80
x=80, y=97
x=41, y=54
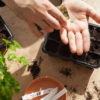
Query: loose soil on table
x=97, y=90
x=89, y=96
x=35, y=67
x=73, y=90
x=66, y=71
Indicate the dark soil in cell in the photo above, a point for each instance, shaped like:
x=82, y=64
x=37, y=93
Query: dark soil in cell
x=2, y=35
x=2, y=4
x=81, y=58
x=93, y=59
x=91, y=29
x=52, y=46
x=1, y=27
x=95, y=46
x=89, y=96
x=55, y=35
x=97, y=33
x=65, y=51
x=66, y=71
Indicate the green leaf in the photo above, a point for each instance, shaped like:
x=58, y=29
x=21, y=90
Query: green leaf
x=11, y=56
x=1, y=76
x=12, y=47
x=23, y=60
x=6, y=41
x=2, y=59
x=17, y=44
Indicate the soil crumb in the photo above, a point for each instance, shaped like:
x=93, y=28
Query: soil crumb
x=73, y=90
x=35, y=67
x=65, y=86
x=66, y=71
x=73, y=97
x=89, y=96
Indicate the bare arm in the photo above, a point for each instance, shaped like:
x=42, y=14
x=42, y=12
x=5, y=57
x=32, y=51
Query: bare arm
x=40, y=12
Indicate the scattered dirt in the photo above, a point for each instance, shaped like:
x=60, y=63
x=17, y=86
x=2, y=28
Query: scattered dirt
x=73, y=90
x=66, y=71
x=65, y=86
x=97, y=91
x=89, y=96
x=73, y=97
x=35, y=67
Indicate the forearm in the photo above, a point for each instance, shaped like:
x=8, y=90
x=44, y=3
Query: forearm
x=19, y=11
x=13, y=6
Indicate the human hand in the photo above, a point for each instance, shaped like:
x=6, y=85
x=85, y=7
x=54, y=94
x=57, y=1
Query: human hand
x=77, y=33
x=43, y=13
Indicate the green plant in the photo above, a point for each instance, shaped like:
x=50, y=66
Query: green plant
x=8, y=85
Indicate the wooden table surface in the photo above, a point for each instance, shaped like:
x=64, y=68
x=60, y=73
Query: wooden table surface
x=82, y=78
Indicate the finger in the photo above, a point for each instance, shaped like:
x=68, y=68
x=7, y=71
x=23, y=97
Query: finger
x=86, y=40
x=35, y=31
x=44, y=15
x=63, y=35
x=79, y=43
x=93, y=14
x=45, y=26
x=71, y=38
x=52, y=21
x=55, y=12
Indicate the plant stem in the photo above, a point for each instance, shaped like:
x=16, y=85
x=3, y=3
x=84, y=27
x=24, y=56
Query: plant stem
x=5, y=50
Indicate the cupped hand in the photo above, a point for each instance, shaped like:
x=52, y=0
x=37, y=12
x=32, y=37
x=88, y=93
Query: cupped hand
x=44, y=14
x=77, y=32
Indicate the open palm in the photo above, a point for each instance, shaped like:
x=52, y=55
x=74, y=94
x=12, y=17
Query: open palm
x=77, y=33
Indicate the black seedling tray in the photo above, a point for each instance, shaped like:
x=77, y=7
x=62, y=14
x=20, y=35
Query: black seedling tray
x=54, y=46
x=4, y=32
x=2, y=4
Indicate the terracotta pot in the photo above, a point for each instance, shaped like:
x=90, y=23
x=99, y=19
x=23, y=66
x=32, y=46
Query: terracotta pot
x=43, y=83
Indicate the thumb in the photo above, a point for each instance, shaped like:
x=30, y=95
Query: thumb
x=93, y=14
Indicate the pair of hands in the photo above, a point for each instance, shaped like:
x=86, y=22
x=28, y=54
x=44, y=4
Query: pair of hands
x=73, y=31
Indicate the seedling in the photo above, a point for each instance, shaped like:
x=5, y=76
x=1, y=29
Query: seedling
x=8, y=85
